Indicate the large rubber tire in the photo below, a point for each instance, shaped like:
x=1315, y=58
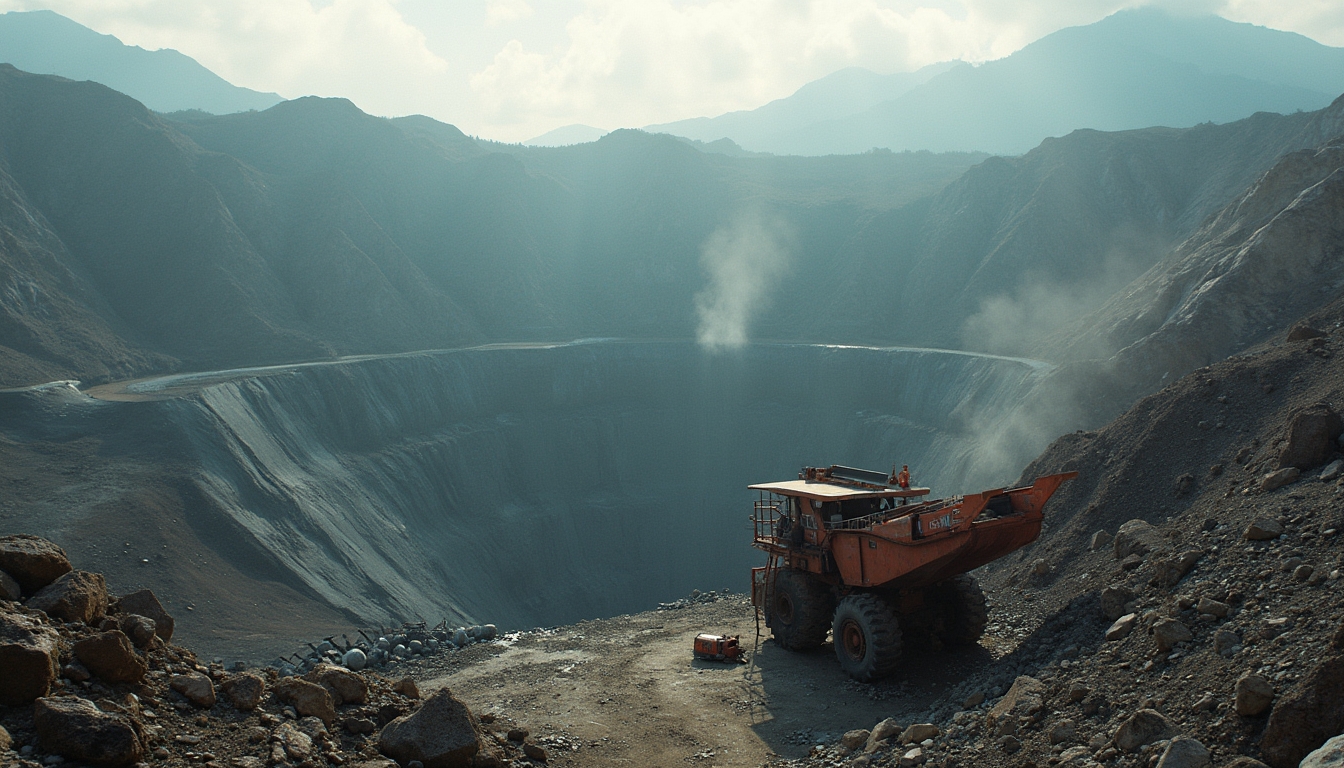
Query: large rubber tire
x=798, y=610
x=965, y=611
x=867, y=637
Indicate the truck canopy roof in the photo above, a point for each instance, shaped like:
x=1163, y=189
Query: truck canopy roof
x=811, y=489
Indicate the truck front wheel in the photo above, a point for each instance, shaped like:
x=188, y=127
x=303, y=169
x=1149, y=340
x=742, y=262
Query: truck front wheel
x=798, y=610
x=867, y=637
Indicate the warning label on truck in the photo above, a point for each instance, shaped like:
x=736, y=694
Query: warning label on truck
x=936, y=524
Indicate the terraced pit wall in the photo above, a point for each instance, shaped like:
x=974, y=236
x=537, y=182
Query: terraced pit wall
x=538, y=485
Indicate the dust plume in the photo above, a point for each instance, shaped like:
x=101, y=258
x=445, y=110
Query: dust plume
x=744, y=260
x=1018, y=321
x=1052, y=320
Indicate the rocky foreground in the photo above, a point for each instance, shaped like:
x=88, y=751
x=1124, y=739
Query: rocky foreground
x=1183, y=609
x=90, y=678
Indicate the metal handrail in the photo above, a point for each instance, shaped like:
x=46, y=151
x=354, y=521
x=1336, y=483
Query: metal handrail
x=765, y=517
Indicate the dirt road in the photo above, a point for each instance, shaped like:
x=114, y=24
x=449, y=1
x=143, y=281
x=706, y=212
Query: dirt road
x=625, y=691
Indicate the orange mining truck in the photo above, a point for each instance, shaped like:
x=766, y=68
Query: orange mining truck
x=852, y=553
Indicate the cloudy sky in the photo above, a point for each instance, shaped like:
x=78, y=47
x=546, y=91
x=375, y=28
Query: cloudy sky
x=513, y=69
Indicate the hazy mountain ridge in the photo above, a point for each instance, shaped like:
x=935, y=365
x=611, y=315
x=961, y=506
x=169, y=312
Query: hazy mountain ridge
x=1269, y=257
x=1134, y=69
x=312, y=229
x=1021, y=246
x=847, y=92
x=165, y=80
x=176, y=242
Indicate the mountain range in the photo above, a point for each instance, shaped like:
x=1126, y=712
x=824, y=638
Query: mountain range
x=311, y=229
x=165, y=80
x=137, y=243
x=1134, y=69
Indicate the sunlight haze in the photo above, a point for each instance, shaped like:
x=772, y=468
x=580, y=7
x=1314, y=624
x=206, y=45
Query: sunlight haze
x=513, y=69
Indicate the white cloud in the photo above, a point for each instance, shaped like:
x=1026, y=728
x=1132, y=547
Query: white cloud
x=360, y=49
x=1321, y=20
x=504, y=11
x=511, y=69
x=634, y=63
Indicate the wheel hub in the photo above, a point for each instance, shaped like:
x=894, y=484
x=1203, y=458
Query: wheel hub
x=853, y=641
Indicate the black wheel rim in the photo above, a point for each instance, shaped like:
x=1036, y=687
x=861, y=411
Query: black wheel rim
x=784, y=609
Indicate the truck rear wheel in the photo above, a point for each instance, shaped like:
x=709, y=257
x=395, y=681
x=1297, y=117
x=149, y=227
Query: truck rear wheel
x=798, y=610
x=867, y=637
x=965, y=610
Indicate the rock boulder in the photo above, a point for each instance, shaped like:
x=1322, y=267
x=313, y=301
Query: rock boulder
x=1024, y=699
x=139, y=628
x=1263, y=529
x=29, y=655
x=1122, y=627
x=919, y=732
x=9, y=588
x=1115, y=600
x=1168, y=571
x=75, y=596
x=346, y=687
x=308, y=699
x=1143, y=728
x=1184, y=752
x=76, y=729
x=1307, y=717
x=1137, y=537
x=443, y=733
x=110, y=656
x=1168, y=632
x=197, y=688
x=33, y=561
x=1330, y=755
x=1254, y=695
x=1312, y=433
x=244, y=690
x=144, y=603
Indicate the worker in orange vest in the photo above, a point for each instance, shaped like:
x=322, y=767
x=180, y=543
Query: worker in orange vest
x=903, y=477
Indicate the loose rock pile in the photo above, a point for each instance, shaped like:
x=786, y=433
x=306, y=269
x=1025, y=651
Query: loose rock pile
x=696, y=598
x=92, y=678
x=385, y=648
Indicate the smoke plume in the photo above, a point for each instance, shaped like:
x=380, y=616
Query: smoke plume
x=744, y=260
